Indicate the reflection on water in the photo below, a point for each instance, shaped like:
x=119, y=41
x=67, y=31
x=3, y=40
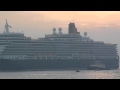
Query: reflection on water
x=83, y=74
x=102, y=75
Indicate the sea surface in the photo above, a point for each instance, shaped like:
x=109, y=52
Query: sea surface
x=67, y=74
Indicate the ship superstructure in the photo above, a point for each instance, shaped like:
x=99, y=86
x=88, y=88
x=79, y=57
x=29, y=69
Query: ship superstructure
x=56, y=46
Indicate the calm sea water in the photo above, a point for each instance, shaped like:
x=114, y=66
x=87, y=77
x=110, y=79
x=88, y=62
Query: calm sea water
x=72, y=74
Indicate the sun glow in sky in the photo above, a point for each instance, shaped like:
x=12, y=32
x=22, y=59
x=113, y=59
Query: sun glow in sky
x=100, y=25
x=84, y=18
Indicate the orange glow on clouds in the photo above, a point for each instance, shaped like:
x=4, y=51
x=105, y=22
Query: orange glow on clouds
x=84, y=19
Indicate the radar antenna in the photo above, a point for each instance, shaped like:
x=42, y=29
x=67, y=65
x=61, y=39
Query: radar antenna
x=85, y=33
x=7, y=27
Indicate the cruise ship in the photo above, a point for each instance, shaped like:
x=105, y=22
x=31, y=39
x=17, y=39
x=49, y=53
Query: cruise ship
x=56, y=51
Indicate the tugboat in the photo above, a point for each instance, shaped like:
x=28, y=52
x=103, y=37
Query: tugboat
x=97, y=65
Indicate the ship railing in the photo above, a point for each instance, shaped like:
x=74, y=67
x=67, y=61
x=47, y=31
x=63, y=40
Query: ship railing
x=77, y=56
x=99, y=41
x=11, y=33
x=80, y=56
x=108, y=43
x=57, y=57
x=34, y=39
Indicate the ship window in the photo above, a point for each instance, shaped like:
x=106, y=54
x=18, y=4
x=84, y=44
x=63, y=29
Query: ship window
x=117, y=57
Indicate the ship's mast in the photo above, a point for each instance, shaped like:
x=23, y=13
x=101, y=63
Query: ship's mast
x=7, y=27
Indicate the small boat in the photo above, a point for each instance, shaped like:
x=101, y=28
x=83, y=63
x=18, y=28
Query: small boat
x=77, y=71
x=97, y=66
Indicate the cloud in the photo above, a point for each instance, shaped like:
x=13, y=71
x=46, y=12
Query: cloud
x=83, y=24
x=102, y=25
x=90, y=18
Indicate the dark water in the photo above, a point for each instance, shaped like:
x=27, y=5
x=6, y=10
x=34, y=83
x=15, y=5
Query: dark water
x=72, y=74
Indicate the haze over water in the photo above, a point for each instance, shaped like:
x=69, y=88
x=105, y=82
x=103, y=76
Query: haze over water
x=71, y=74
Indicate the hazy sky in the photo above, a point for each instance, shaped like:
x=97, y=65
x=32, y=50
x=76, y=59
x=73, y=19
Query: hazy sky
x=100, y=25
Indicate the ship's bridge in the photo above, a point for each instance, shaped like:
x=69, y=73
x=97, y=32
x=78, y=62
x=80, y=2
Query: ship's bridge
x=70, y=36
x=11, y=34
